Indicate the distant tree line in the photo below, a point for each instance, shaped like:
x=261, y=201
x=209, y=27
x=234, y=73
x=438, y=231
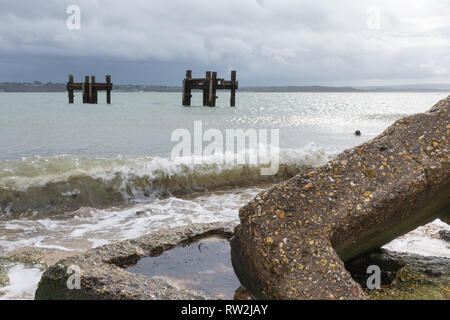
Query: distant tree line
x=38, y=86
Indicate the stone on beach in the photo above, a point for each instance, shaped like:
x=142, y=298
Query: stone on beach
x=4, y=280
x=445, y=235
x=294, y=238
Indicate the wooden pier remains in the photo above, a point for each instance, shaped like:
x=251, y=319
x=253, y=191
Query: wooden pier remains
x=209, y=85
x=90, y=89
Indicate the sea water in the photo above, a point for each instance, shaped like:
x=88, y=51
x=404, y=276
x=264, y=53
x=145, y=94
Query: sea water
x=78, y=176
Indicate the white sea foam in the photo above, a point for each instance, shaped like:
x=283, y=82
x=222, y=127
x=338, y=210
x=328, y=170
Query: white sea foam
x=23, y=283
x=423, y=241
x=89, y=227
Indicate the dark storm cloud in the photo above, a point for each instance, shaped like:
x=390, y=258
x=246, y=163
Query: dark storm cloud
x=267, y=41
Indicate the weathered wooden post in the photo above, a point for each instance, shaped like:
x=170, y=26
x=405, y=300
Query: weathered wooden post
x=70, y=88
x=108, y=89
x=187, y=95
x=86, y=97
x=206, y=89
x=233, y=89
x=93, y=91
x=212, y=90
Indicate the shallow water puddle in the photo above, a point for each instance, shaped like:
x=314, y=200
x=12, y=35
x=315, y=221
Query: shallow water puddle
x=23, y=282
x=204, y=266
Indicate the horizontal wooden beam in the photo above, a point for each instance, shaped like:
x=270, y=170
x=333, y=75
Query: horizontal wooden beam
x=219, y=86
x=97, y=86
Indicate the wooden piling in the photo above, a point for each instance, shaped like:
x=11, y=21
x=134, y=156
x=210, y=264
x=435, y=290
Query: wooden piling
x=187, y=94
x=108, y=90
x=233, y=89
x=86, y=97
x=209, y=86
x=93, y=91
x=206, y=89
x=212, y=90
x=70, y=88
x=90, y=89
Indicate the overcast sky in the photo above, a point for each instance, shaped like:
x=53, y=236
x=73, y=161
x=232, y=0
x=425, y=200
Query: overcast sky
x=269, y=42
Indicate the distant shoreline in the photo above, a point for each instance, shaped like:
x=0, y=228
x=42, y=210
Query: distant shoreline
x=61, y=87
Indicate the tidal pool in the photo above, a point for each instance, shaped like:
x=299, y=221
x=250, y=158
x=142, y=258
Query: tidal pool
x=204, y=266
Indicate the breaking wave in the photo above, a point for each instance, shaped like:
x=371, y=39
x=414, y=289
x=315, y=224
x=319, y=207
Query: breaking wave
x=64, y=183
